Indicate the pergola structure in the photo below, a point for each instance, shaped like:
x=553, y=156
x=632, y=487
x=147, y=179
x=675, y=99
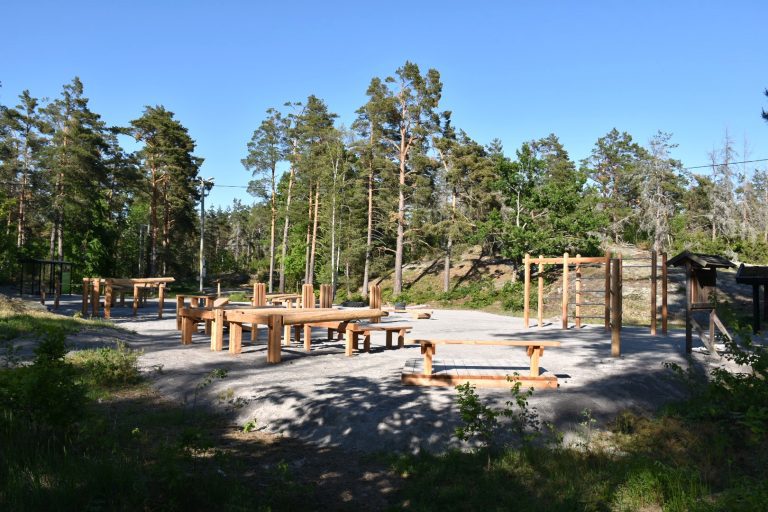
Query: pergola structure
x=44, y=278
x=701, y=293
x=756, y=276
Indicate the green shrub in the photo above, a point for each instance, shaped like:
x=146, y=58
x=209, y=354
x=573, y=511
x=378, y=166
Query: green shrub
x=109, y=367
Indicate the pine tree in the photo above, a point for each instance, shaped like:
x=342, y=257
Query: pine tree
x=265, y=150
x=171, y=171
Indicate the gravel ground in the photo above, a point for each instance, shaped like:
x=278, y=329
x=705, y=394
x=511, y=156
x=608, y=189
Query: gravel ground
x=358, y=403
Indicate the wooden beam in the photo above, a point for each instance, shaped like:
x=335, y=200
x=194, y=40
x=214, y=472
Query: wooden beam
x=653, y=293
x=527, y=290
x=565, y=292
x=615, y=307
x=664, y=311
x=578, y=293
x=540, y=305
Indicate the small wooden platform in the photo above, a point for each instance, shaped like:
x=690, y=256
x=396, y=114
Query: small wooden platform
x=481, y=373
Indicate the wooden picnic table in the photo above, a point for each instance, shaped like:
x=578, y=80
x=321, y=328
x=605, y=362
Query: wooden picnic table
x=273, y=317
x=92, y=291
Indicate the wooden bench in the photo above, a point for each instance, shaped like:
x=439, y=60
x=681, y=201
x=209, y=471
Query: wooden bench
x=535, y=350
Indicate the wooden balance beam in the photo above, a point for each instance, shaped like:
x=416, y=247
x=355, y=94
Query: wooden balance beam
x=535, y=350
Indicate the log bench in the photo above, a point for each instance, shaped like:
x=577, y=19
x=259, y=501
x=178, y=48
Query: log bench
x=366, y=329
x=534, y=349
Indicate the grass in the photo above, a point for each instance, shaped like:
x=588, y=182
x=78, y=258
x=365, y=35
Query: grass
x=708, y=453
x=113, y=444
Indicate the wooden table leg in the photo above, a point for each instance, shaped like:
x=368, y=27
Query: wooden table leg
x=187, y=326
x=161, y=300
x=275, y=333
x=86, y=294
x=235, y=338
x=95, y=296
x=254, y=333
x=217, y=336
x=179, y=305
x=535, y=353
x=307, y=337
x=367, y=341
x=350, y=335
x=401, y=338
x=429, y=351
x=389, y=339
x=287, y=335
x=135, y=300
x=108, y=299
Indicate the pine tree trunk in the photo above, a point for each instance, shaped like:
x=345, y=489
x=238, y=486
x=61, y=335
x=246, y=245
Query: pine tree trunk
x=449, y=245
x=166, y=228
x=314, y=238
x=309, y=237
x=152, y=255
x=369, y=237
x=272, y=245
x=398, y=281
x=284, y=252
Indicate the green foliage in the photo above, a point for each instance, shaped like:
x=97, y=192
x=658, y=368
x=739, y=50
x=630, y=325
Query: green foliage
x=737, y=401
x=109, y=367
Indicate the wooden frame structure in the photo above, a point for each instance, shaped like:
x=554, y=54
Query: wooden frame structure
x=610, y=291
x=755, y=276
x=701, y=294
x=92, y=291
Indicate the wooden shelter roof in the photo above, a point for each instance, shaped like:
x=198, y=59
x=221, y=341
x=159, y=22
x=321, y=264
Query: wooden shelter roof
x=700, y=260
x=753, y=274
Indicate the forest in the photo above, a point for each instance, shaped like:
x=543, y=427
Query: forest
x=346, y=205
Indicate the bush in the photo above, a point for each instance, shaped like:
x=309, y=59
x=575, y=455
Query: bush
x=108, y=367
x=46, y=394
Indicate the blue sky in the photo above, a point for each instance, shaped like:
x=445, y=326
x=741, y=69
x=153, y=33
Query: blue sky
x=511, y=70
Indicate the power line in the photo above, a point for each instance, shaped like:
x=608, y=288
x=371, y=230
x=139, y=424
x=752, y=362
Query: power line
x=725, y=163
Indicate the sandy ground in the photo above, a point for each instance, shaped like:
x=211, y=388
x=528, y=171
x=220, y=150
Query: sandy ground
x=358, y=403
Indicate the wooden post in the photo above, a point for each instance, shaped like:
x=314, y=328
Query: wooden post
x=95, y=296
x=86, y=294
x=275, y=333
x=664, y=293
x=527, y=291
x=565, y=291
x=607, y=291
x=578, y=294
x=349, y=338
x=287, y=328
x=616, y=307
x=535, y=354
x=308, y=296
x=765, y=301
x=179, y=305
x=235, y=337
x=688, y=299
x=187, y=325
x=218, y=288
x=326, y=296
x=107, y=298
x=653, y=293
x=429, y=353
x=540, y=305
x=217, y=336
x=135, y=299
x=755, y=308
x=374, y=299
x=160, y=299
x=712, y=315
